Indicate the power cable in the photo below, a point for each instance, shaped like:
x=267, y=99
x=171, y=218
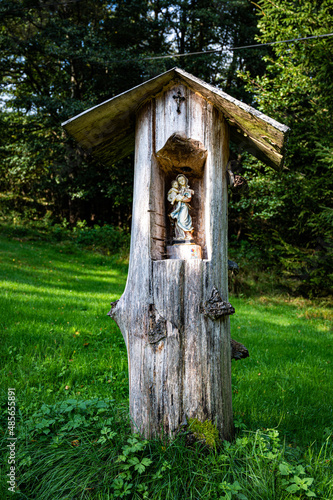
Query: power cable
x=239, y=48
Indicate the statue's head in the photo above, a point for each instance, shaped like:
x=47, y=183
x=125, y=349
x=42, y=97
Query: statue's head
x=175, y=184
x=182, y=180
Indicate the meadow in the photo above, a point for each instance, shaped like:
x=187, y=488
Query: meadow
x=67, y=362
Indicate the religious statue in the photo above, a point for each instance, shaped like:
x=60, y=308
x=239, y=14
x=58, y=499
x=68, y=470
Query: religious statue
x=180, y=195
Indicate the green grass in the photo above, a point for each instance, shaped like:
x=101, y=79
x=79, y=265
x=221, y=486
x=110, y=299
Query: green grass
x=56, y=336
x=287, y=382
x=68, y=363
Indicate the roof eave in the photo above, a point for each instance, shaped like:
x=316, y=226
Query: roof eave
x=107, y=130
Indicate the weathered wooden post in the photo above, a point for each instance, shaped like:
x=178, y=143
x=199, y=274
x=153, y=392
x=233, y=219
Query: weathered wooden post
x=174, y=313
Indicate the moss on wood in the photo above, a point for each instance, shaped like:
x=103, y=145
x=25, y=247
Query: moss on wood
x=204, y=431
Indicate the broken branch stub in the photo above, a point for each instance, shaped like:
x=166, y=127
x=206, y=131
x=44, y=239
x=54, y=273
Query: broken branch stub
x=215, y=307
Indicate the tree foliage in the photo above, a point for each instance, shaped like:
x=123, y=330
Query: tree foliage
x=295, y=207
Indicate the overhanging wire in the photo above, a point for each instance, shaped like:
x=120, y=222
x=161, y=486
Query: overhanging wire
x=239, y=48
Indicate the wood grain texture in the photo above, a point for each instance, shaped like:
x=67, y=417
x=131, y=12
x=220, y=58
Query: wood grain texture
x=179, y=359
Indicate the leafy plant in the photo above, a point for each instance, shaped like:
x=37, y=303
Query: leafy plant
x=288, y=214
x=61, y=420
x=131, y=461
x=293, y=482
x=232, y=490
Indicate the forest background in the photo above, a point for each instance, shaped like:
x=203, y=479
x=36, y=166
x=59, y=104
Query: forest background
x=60, y=57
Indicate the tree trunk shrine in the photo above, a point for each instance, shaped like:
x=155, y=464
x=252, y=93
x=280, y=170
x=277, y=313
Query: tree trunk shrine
x=174, y=312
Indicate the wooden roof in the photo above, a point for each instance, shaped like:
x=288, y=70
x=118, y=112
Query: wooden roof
x=107, y=130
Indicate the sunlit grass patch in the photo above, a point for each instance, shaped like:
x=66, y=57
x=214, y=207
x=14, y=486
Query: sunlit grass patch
x=57, y=338
x=287, y=380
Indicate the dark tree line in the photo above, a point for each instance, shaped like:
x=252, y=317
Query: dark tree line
x=60, y=57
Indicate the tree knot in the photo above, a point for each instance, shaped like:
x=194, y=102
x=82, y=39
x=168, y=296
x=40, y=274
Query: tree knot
x=113, y=308
x=157, y=327
x=215, y=307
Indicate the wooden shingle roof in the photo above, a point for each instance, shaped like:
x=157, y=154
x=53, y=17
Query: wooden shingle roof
x=107, y=130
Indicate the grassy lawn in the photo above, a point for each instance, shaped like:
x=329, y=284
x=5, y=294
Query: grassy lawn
x=287, y=382
x=67, y=362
